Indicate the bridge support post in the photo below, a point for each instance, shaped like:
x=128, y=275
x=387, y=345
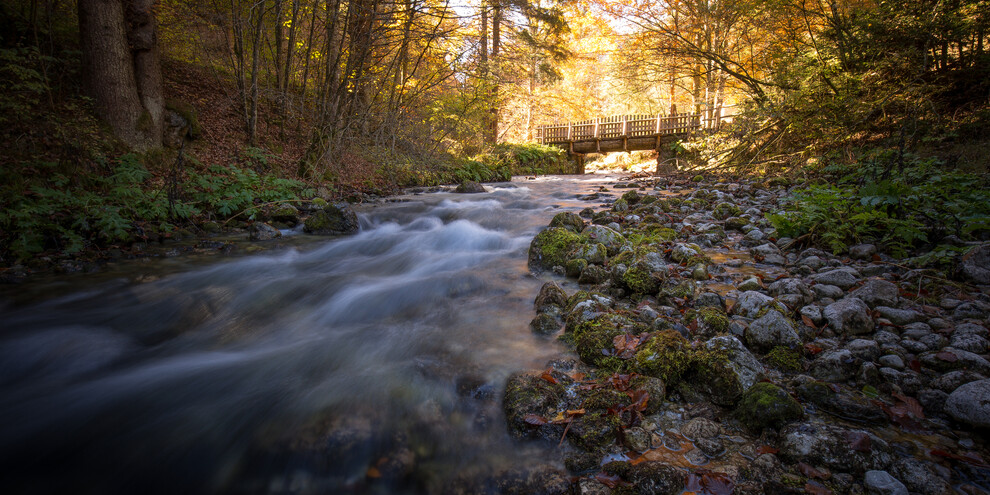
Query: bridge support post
x=666, y=159
x=578, y=163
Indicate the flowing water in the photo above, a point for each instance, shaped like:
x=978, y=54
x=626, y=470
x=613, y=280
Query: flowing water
x=331, y=367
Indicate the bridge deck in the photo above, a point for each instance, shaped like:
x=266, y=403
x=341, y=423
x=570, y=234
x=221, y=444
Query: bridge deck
x=619, y=132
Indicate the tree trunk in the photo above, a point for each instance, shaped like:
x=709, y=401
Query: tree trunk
x=121, y=69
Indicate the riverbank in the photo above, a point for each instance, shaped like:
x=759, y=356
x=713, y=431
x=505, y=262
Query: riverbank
x=715, y=356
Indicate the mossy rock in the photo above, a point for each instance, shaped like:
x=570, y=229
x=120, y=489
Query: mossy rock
x=594, y=431
x=685, y=289
x=333, y=219
x=545, y=324
x=603, y=398
x=319, y=202
x=708, y=321
x=784, y=359
x=620, y=206
x=698, y=178
x=766, y=405
x=724, y=210
x=593, y=275
x=527, y=394
x=569, y=221
x=550, y=295
x=286, y=213
x=551, y=247
x=655, y=387
x=736, y=223
x=667, y=356
x=710, y=378
x=640, y=280
x=631, y=197
x=593, y=341
x=575, y=267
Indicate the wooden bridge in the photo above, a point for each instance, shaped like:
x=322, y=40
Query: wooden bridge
x=623, y=133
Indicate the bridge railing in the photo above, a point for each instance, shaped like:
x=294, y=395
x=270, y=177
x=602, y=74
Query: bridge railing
x=620, y=126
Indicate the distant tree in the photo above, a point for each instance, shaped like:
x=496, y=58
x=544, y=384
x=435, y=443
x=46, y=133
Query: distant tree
x=121, y=69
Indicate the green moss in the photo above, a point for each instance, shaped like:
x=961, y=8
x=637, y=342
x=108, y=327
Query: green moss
x=319, y=202
x=766, y=405
x=713, y=319
x=784, y=359
x=666, y=356
x=647, y=199
x=604, y=398
x=551, y=246
x=595, y=431
x=620, y=206
x=577, y=297
x=593, y=340
x=631, y=197
x=723, y=210
x=640, y=280
x=616, y=468
x=575, y=267
x=698, y=178
x=683, y=289
x=569, y=221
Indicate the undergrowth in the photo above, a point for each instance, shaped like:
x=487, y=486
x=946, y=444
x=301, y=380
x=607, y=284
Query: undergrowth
x=900, y=202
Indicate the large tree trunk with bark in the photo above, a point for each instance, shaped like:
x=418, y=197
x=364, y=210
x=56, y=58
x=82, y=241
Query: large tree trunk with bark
x=121, y=69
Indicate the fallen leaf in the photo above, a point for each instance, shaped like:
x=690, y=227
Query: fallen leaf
x=812, y=349
x=548, y=376
x=808, y=321
x=611, y=481
x=373, y=472
x=621, y=381
x=625, y=345
x=766, y=449
x=717, y=483
x=812, y=472
x=640, y=398
x=915, y=365
x=535, y=419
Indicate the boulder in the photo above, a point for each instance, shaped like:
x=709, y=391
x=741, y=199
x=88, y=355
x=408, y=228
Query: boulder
x=835, y=447
x=260, y=231
x=469, y=187
x=746, y=368
x=970, y=404
x=611, y=239
x=766, y=405
x=332, y=219
x=849, y=316
x=862, y=251
x=918, y=477
x=751, y=302
x=837, y=365
x=792, y=287
x=551, y=247
x=882, y=483
x=843, y=278
x=975, y=264
x=551, y=295
x=771, y=330
x=569, y=221
x=877, y=292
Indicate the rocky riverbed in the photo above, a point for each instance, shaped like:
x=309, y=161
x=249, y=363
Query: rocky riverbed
x=713, y=357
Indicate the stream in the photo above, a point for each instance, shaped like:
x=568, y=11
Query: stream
x=371, y=363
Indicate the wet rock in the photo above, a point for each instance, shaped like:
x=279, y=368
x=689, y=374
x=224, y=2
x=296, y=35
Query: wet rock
x=529, y=395
x=593, y=432
x=611, y=239
x=882, y=483
x=591, y=486
x=975, y=264
x=260, y=231
x=639, y=279
x=637, y=439
x=970, y=342
x=746, y=369
x=812, y=262
x=838, y=365
x=569, y=221
x=840, y=402
x=877, y=292
x=849, y=316
x=550, y=296
x=551, y=247
x=750, y=284
x=865, y=349
x=710, y=300
x=770, y=330
x=792, y=287
x=952, y=380
x=545, y=324
x=333, y=219
x=287, y=214
x=814, y=313
x=950, y=358
x=970, y=404
x=701, y=428
x=891, y=361
x=835, y=447
x=750, y=303
x=766, y=405
x=844, y=278
x=918, y=477
x=683, y=252
x=862, y=251
x=766, y=467
x=593, y=275
x=825, y=291
x=769, y=253
x=899, y=316
x=656, y=478
x=736, y=223
x=469, y=187
x=575, y=267
x=594, y=253
x=933, y=401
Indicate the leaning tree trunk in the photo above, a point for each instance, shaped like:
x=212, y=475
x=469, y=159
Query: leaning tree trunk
x=121, y=69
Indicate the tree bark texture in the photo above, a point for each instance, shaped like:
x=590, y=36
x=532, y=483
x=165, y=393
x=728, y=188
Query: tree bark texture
x=121, y=69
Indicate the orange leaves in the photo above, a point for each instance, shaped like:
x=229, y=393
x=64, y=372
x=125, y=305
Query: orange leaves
x=906, y=413
x=625, y=345
x=709, y=482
